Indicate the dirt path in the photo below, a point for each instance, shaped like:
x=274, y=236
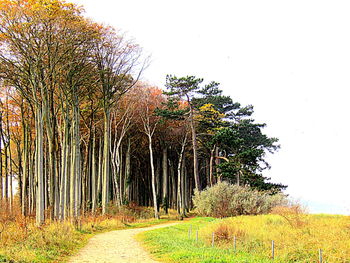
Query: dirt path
x=115, y=247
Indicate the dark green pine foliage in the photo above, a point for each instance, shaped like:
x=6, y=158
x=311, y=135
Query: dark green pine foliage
x=182, y=88
x=172, y=110
x=211, y=94
x=242, y=144
x=245, y=146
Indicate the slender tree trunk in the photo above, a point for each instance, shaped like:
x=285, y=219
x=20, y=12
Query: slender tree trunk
x=25, y=167
x=187, y=192
x=99, y=174
x=217, y=162
x=173, y=200
x=127, y=180
x=52, y=175
x=10, y=175
x=93, y=174
x=56, y=189
x=6, y=176
x=121, y=183
x=165, y=178
x=179, y=181
x=156, y=215
x=39, y=167
x=78, y=178
x=9, y=158
x=64, y=169
x=116, y=163
x=116, y=172
x=158, y=185
x=31, y=203
x=75, y=165
x=183, y=186
x=195, y=154
x=211, y=168
x=106, y=161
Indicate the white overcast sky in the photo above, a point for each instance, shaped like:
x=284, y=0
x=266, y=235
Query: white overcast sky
x=290, y=59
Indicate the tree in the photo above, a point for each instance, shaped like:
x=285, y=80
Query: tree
x=151, y=100
x=116, y=59
x=186, y=88
x=245, y=147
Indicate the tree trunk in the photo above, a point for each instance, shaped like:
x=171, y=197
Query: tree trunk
x=99, y=174
x=127, y=180
x=39, y=167
x=93, y=174
x=121, y=183
x=31, y=203
x=179, y=181
x=173, y=200
x=217, y=162
x=25, y=165
x=211, y=168
x=195, y=154
x=6, y=176
x=183, y=187
x=75, y=165
x=106, y=161
x=64, y=170
x=156, y=215
x=165, y=179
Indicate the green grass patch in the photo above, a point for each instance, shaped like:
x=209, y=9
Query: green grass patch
x=178, y=244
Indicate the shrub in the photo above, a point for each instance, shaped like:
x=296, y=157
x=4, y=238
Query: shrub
x=224, y=200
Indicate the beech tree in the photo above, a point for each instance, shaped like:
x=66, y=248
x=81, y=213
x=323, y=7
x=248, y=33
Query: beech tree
x=116, y=58
x=151, y=99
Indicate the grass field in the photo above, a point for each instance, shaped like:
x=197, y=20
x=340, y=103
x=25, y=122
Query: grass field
x=297, y=239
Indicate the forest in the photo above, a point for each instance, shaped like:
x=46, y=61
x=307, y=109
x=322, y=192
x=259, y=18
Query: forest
x=80, y=132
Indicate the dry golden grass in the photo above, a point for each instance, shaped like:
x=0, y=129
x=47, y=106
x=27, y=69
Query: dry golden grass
x=22, y=241
x=297, y=238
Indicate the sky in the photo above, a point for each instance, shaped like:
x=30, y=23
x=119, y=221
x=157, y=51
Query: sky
x=289, y=59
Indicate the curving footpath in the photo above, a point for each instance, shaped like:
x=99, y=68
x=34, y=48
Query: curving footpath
x=117, y=246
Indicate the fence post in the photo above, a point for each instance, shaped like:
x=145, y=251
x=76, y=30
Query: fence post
x=197, y=236
x=212, y=240
x=320, y=255
x=189, y=231
x=234, y=244
x=273, y=249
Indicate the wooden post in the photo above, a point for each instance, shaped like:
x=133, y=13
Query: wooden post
x=273, y=249
x=197, y=236
x=320, y=255
x=212, y=240
x=234, y=244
